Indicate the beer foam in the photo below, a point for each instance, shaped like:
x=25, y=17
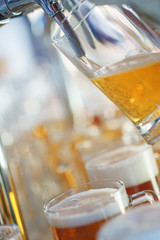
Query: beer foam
x=86, y=207
x=141, y=223
x=129, y=63
x=133, y=164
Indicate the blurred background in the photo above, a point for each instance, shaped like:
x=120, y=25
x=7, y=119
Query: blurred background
x=52, y=118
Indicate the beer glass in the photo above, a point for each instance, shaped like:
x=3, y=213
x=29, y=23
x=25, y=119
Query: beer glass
x=142, y=223
x=120, y=54
x=79, y=212
x=10, y=232
x=135, y=165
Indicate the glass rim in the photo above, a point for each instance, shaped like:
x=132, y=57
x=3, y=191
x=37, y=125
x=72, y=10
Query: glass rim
x=81, y=186
x=54, y=36
x=133, y=218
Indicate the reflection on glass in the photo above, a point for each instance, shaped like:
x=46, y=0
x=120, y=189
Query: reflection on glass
x=10, y=232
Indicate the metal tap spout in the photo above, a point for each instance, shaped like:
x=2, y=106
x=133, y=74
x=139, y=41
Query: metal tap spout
x=53, y=8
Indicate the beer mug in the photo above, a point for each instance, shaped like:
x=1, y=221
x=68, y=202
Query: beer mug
x=79, y=212
x=10, y=232
x=120, y=54
x=142, y=223
x=135, y=165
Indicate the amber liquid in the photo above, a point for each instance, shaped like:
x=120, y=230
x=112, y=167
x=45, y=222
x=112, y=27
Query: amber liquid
x=136, y=91
x=87, y=232
x=81, y=215
x=144, y=186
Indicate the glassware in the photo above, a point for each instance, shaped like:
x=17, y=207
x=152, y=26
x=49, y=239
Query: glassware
x=10, y=232
x=10, y=210
x=134, y=164
x=30, y=99
x=121, y=58
x=142, y=223
x=79, y=212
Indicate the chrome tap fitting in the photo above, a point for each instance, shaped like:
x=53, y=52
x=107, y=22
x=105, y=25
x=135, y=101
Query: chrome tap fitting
x=53, y=8
x=12, y=8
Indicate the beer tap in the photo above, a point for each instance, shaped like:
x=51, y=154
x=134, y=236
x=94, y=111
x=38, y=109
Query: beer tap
x=53, y=8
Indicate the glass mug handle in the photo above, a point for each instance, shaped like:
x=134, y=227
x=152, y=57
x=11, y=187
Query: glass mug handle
x=143, y=197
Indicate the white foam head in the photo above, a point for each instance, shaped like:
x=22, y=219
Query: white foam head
x=142, y=223
x=86, y=207
x=132, y=61
x=132, y=164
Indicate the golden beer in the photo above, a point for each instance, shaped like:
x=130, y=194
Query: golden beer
x=80, y=216
x=134, y=86
x=79, y=212
x=83, y=232
x=135, y=165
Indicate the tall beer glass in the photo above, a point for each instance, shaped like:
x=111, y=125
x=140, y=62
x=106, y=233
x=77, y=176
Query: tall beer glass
x=141, y=224
x=120, y=54
x=10, y=232
x=80, y=212
x=135, y=165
